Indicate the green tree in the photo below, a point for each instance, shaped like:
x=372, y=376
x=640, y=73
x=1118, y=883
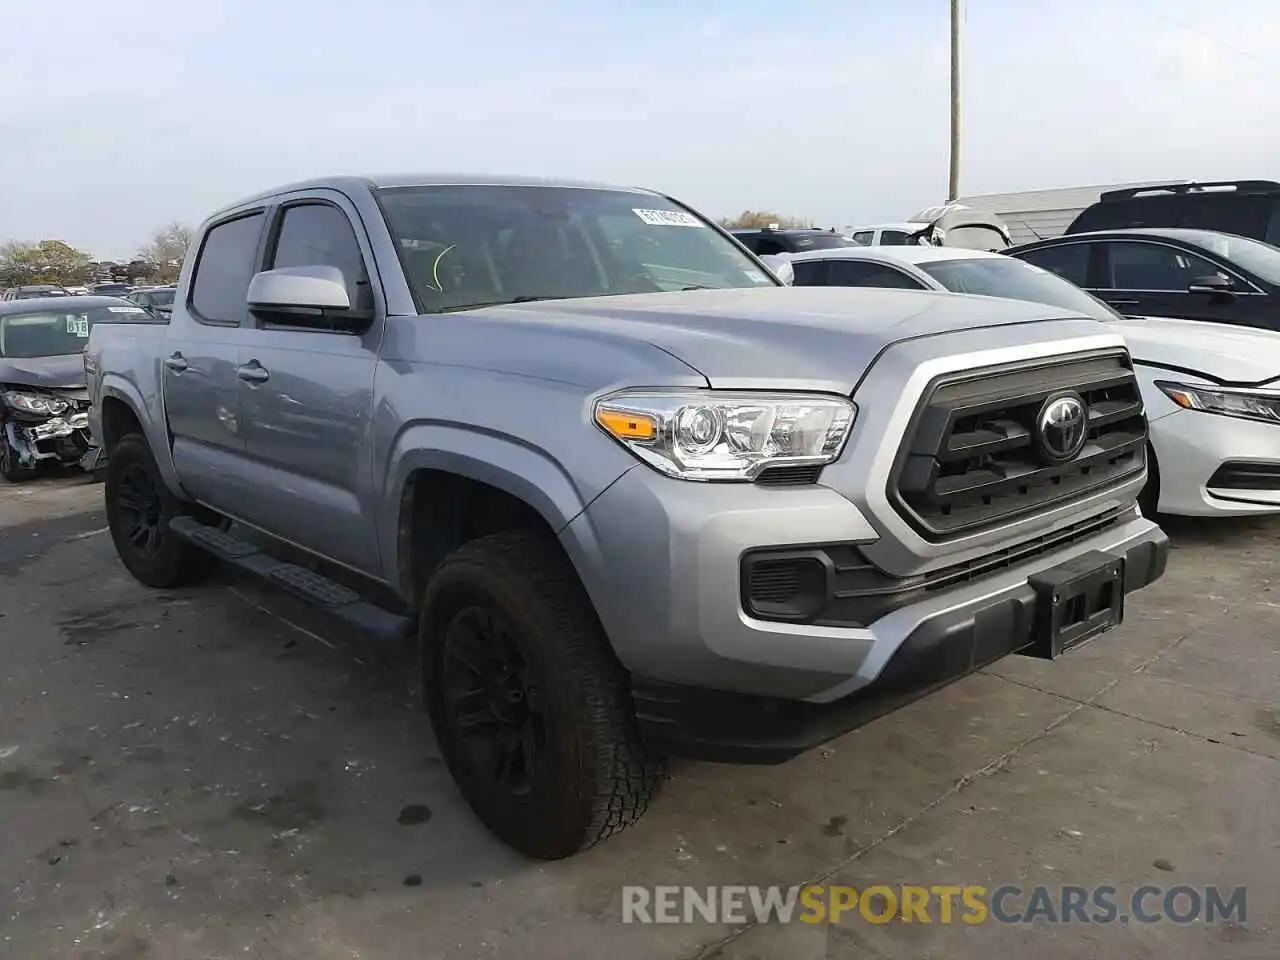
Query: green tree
x=49, y=261
x=166, y=251
x=755, y=219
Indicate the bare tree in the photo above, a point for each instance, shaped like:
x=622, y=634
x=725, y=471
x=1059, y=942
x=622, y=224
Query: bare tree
x=166, y=251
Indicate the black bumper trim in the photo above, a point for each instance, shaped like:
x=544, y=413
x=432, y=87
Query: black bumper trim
x=725, y=726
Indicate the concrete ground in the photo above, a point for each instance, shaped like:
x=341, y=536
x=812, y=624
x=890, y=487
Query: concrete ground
x=216, y=773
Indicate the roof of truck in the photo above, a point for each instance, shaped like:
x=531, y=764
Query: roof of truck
x=382, y=181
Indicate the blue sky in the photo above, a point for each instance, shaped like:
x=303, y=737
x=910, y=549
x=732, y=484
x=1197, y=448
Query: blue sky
x=118, y=118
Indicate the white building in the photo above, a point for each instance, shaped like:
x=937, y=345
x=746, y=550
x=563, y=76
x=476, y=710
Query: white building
x=1038, y=214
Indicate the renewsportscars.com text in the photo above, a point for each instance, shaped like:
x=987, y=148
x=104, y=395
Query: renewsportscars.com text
x=968, y=904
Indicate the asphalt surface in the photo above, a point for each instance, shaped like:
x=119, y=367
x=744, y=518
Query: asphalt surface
x=217, y=773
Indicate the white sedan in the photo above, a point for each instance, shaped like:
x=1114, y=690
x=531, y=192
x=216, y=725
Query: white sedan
x=1211, y=391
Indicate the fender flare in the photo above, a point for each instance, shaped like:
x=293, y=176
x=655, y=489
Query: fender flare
x=500, y=460
x=114, y=387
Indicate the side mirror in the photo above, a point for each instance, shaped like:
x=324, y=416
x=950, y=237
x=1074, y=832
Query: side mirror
x=779, y=265
x=1215, y=285
x=301, y=290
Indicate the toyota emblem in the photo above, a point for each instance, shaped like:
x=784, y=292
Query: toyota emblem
x=1062, y=427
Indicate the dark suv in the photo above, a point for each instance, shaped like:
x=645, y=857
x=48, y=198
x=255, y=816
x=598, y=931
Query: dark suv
x=1247, y=208
x=767, y=241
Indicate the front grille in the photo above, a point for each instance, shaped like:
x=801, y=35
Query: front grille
x=971, y=460
x=1246, y=475
x=784, y=585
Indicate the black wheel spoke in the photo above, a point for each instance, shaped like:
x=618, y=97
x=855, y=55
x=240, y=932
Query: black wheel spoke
x=141, y=509
x=494, y=708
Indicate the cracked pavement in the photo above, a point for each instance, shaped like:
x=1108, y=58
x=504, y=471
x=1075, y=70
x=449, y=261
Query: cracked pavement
x=218, y=772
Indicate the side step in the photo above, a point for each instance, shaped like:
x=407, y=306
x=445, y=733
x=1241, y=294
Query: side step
x=332, y=597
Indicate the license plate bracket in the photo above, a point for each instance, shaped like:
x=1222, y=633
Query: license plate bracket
x=1075, y=602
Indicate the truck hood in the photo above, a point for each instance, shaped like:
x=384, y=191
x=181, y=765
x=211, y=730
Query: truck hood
x=50, y=372
x=1243, y=356
x=777, y=335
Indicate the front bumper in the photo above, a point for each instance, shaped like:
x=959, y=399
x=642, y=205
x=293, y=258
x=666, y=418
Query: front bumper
x=1192, y=449
x=62, y=439
x=661, y=560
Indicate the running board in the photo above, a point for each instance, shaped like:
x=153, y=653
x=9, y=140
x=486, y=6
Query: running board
x=330, y=596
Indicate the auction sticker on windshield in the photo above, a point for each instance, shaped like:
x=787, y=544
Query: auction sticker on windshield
x=668, y=218
x=78, y=326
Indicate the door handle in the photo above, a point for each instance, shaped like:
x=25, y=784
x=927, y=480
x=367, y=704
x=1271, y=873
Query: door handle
x=253, y=372
x=177, y=363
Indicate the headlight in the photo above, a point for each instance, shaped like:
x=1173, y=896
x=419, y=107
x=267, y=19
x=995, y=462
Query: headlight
x=35, y=403
x=1255, y=404
x=709, y=435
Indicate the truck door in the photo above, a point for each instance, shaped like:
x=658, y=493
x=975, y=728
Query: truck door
x=201, y=389
x=307, y=397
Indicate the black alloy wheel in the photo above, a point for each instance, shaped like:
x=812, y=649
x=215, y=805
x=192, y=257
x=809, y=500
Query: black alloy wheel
x=141, y=509
x=495, y=702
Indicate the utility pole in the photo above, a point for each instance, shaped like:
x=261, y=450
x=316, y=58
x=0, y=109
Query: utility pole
x=953, y=186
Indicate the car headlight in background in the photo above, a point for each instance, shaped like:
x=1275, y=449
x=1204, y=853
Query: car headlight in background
x=35, y=403
x=1250, y=404
x=710, y=435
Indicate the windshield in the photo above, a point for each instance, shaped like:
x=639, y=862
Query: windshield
x=822, y=241
x=1016, y=280
x=161, y=298
x=55, y=333
x=474, y=246
x=1258, y=258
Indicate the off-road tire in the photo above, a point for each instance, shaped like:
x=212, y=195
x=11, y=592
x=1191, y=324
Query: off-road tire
x=9, y=467
x=173, y=562
x=599, y=776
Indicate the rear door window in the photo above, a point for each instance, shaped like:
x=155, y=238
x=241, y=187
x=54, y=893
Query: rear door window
x=1069, y=261
x=865, y=273
x=227, y=262
x=893, y=238
x=810, y=273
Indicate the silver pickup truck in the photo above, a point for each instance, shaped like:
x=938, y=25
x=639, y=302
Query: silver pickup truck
x=634, y=496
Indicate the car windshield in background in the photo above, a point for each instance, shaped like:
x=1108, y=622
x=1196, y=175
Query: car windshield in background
x=111, y=289
x=1016, y=280
x=1258, y=258
x=55, y=333
x=474, y=246
x=822, y=241
x=161, y=298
